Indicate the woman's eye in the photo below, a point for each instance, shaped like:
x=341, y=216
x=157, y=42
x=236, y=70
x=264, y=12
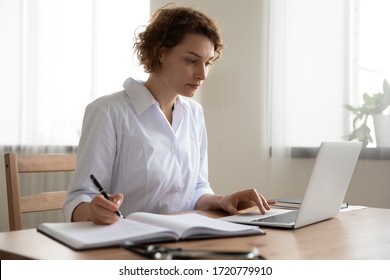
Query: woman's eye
x=192, y=61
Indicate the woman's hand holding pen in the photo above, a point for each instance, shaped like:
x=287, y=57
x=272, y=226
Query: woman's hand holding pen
x=103, y=206
x=104, y=211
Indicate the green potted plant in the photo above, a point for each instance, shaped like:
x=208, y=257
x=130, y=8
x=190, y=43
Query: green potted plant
x=373, y=106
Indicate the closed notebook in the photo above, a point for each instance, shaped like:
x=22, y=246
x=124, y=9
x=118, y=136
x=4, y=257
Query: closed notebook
x=143, y=227
x=294, y=203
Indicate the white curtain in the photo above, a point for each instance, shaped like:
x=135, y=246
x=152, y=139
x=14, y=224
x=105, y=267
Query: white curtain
x=308, y=72
x=323, y=54
x=56, y=56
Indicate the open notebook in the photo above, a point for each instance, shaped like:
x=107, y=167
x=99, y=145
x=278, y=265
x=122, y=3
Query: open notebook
x=143, y=227
x=325, y=192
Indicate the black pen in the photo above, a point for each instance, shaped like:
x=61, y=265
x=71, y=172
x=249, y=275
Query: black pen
x=103, y=192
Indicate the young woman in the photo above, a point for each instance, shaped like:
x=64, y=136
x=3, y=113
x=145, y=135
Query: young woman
x=147, y=144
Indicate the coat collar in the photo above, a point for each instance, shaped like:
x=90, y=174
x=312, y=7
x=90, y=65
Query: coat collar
x=142, y=98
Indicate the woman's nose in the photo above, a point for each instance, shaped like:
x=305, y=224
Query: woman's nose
x=202, y=72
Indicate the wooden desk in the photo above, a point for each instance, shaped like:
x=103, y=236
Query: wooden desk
x=359, y=234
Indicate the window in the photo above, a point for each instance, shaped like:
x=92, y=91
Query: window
x=372, y=60
x=323, y=54
x=56, y=57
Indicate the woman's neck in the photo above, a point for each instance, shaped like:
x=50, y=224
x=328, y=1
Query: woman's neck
x=164, y=97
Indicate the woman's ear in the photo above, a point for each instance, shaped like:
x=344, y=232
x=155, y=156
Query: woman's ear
x=160, y=55
x=161, y=52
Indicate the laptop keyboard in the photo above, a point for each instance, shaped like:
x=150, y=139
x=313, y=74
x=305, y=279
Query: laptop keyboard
x=288, y=217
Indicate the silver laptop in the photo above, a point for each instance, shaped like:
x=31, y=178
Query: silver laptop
x=324, y=193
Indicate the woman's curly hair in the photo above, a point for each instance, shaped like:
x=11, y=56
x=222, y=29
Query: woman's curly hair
x=167, y=29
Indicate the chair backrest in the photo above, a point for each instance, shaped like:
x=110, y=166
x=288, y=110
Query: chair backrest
x=44, y=201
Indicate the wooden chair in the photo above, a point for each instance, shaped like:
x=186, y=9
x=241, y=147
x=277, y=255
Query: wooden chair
x=44, y=201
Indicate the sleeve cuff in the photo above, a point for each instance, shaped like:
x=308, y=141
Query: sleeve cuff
x=198, y=193
x=72, y=204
